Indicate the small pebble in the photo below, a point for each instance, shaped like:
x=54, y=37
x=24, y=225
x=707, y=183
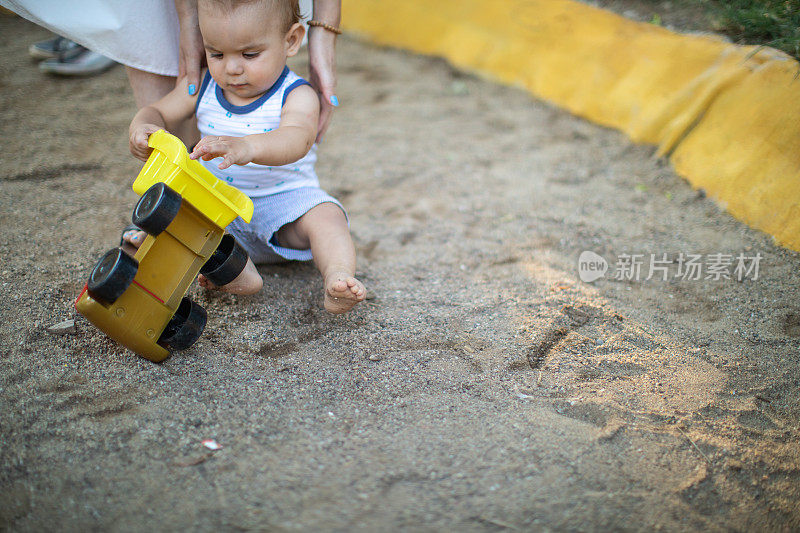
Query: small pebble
x=66, y=327
x=375, y=357
x=211, y=444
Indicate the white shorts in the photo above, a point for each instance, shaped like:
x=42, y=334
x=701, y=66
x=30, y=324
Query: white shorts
x=272, y=212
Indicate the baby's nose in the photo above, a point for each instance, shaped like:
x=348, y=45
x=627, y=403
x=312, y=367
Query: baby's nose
x=234, y=67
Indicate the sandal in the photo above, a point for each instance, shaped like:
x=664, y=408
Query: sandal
x=78, y=61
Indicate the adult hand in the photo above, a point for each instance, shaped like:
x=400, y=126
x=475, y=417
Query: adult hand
x=190, y=43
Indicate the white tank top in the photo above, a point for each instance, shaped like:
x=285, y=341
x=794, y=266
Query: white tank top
x=217, y=116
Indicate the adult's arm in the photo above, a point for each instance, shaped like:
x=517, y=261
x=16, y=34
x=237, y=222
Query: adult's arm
x=190, y=41
x=322, y=59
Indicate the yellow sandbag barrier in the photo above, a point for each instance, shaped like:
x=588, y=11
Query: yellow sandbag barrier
x=728, y=116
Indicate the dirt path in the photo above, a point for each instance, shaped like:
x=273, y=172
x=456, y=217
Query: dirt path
x=482, y=387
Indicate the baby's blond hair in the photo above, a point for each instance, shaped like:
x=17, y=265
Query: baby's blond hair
x=287, y=11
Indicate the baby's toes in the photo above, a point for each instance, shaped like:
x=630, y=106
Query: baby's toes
x=358, y=291
x=338, y=288
x=134, y=237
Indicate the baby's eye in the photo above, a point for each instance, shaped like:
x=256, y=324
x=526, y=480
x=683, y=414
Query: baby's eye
x=215, y=55
x=250, y=55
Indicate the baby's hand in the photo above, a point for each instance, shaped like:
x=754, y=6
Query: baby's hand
x=138, y=140
x=232, y=150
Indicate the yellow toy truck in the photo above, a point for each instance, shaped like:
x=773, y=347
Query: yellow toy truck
x=139, y=300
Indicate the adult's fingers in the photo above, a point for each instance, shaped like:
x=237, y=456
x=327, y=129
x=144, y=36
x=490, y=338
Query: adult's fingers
x=191, y=56
x=193, y=61
x=322, y=74
x=327, y=101
x=325, y=115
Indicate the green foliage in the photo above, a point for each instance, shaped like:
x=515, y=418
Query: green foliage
x=774, y=23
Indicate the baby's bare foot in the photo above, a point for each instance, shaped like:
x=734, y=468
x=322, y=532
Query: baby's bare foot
x=247, y=282
x=342, y=292
x=132, y=239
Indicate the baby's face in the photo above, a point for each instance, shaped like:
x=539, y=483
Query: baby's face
x=246, y=49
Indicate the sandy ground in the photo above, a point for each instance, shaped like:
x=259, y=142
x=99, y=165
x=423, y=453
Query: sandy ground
x=482, y=387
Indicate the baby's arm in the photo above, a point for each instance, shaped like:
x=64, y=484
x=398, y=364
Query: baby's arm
x=290, y=141
x=166, y=113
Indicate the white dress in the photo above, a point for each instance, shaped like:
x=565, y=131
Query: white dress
x=139, y=33
x=142, y=34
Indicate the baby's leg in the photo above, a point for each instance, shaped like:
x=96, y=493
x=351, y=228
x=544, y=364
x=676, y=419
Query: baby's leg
x=324, y=230
x=249, y=281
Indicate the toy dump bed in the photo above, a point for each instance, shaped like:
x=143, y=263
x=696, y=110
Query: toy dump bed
x=170, y=164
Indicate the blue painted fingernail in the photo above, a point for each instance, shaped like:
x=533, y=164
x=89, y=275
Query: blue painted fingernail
x=192, y=89
x=334, y=101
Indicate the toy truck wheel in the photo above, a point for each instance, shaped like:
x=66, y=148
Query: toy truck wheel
x=185, y=327
x=157, y=207
x=226, y=263
x=111, y=276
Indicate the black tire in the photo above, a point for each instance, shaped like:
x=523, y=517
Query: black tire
x=227, y=262
x=112, y=276
x=185, y=326
x=157, y=207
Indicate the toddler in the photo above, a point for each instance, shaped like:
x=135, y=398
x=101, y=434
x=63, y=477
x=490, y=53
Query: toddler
x=258, y=122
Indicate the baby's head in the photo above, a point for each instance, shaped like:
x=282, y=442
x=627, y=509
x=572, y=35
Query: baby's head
x=283, y=12
x=247, y=43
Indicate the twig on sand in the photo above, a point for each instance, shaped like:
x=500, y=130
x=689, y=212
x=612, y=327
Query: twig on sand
x=695, y=445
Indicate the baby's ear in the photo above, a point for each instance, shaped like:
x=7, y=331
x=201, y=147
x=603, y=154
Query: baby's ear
x=294, y=38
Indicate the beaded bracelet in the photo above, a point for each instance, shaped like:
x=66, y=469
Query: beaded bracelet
x=328, y=27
